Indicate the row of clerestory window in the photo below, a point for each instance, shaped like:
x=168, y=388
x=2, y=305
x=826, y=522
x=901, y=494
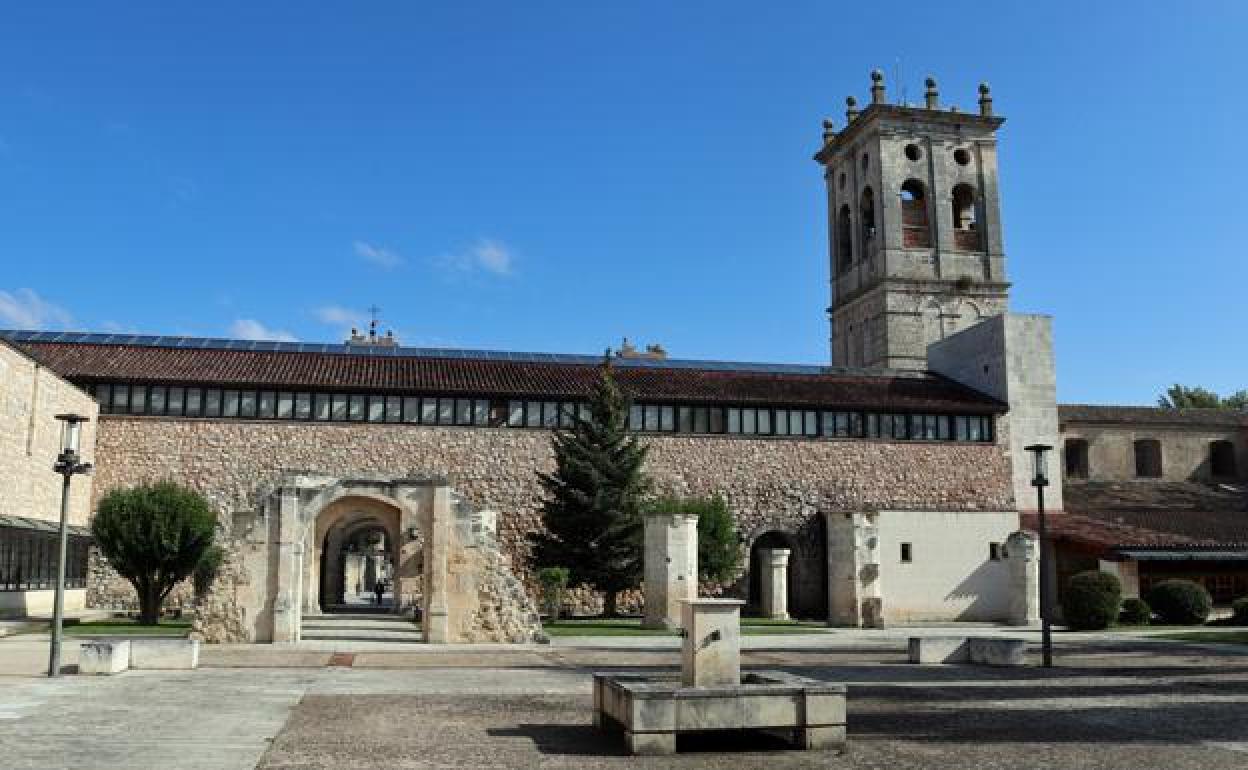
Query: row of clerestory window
x=317, y=406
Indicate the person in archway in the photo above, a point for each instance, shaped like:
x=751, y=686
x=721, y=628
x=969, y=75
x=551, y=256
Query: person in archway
x=379, y=588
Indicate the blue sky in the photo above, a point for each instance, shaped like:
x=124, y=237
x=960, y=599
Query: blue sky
x=555, y=176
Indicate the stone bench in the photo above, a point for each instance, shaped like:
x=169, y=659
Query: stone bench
x=104, y=657
x=983, y=650
x=164, y=653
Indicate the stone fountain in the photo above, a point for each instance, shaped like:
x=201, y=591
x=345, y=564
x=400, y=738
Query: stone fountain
x=710, y=693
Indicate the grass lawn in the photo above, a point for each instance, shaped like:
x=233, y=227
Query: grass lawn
x=125, y=627
x=632, y=627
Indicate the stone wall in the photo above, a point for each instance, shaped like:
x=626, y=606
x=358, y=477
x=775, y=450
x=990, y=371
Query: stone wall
x=769, y=484
x=30, y=439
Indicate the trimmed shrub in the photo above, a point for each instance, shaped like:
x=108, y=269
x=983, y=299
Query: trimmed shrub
x=1180, y=602
x=554, y=581
x=1091, y=600
x=1135, y=612
x=1239, y=611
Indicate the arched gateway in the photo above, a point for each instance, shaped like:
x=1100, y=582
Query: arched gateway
x=443, y=559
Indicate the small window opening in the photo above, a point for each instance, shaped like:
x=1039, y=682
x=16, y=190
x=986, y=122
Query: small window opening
x=1222, y=459
x=844, y=238
x=907, y=553
x=994, y=551
x=1076, y=458
x=866, y=213
x=1148, y=458
x=965, y=230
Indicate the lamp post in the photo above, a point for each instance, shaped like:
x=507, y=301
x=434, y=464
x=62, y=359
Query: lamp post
x=68, y=463
x=1040, y=480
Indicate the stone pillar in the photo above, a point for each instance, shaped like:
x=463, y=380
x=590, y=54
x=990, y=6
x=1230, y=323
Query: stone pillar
x=435, y=620
x=711, y=648
x=775, y=582
x=1127, y=572
x=287, y=596
x=671, y=567
x=1022, y=559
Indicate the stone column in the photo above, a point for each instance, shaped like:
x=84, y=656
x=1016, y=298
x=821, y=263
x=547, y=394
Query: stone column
x=775, y=582
x=286, y=601
x=1022, y=558
x=671, y=567
x=1127, y=572
x=435, y=620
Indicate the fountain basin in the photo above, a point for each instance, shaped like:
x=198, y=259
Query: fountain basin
x=652, y=708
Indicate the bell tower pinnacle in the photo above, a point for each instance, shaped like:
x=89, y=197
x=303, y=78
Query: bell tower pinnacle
x=914, y=224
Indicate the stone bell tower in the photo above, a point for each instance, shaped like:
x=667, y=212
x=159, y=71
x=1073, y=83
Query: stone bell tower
x=914, y=221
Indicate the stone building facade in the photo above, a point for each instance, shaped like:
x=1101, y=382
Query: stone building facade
x=31, y=395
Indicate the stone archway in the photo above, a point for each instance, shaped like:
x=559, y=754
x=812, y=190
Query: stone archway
x=807, y=573
x=343, y=523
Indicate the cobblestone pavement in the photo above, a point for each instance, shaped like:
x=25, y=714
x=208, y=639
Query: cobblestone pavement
x=1111, y=704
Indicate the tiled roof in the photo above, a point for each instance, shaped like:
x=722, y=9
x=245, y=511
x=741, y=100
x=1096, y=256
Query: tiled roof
x=1146, y=514
x=1150, y=415
x=569, y=376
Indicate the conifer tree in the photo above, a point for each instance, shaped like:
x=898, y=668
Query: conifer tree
x=593, y=500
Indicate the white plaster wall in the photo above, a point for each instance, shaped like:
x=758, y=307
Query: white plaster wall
x=25, y=603
x=951, y=575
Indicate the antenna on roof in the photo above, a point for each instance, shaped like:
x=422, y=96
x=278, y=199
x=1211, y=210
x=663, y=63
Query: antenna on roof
x=373, y=312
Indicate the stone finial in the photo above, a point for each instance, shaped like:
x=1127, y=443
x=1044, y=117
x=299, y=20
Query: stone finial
x=829, y=131
x=877, y=87
x=931, y=95
x=985, y=99
x=851, y=109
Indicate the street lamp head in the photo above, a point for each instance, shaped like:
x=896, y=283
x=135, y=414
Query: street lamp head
x=1040, y=464
x=71, y=431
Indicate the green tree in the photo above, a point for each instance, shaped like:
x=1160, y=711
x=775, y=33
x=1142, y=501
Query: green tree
x=554, y=581
x=1185, y=397
x=154, y=535
x=719, y=548
x=592, y=507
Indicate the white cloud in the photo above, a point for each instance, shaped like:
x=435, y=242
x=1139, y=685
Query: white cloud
x=251, y=329
x=379, y=256
x=24, y=309
x=338, y=315
x=486, y=254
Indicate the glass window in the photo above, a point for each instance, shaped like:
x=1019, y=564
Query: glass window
x=943, y=427
x=500, y=412
x=103, y=394
x=156, y=400
x=734, y=420
x=566, y=412
x=229, y=403
x=873, y=425
x=586, y=413
x=684, y=422
x=321, y=406
x=267, y=405
x=987, y=430
x=357, y=407
x=652, y=417
x=411, y=409
x=667, y=418
x=303, y=406
x=782, y=422
x=138, y=399
x=829, y=423
x=463, y=411
x=930, y=429
x=899, y=426
x=339, y=411
x=429, y=411
x=717, y=420
x=550, y=414
x=247, y=403
x=212, y=403
x=174, y=400
x=635, y=417
x=285, y=406
x=480, y=412
x=974, y=429
x=515, y=414
x=764, y=421
x=812, y=423
x=376, y=408
x=194, y=400
x=842, y=424
x=394, y=409
x=701, y=420
x=446, y=411
x=533, y=414
x=749, y=421
x=960, y=429
x=886, y=425
x=916, y=426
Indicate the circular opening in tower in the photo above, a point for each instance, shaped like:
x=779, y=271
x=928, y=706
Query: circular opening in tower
x=962, y=156
x=913, y=152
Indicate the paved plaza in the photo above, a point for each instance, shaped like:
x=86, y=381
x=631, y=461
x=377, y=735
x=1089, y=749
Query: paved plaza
x=1113, y=702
